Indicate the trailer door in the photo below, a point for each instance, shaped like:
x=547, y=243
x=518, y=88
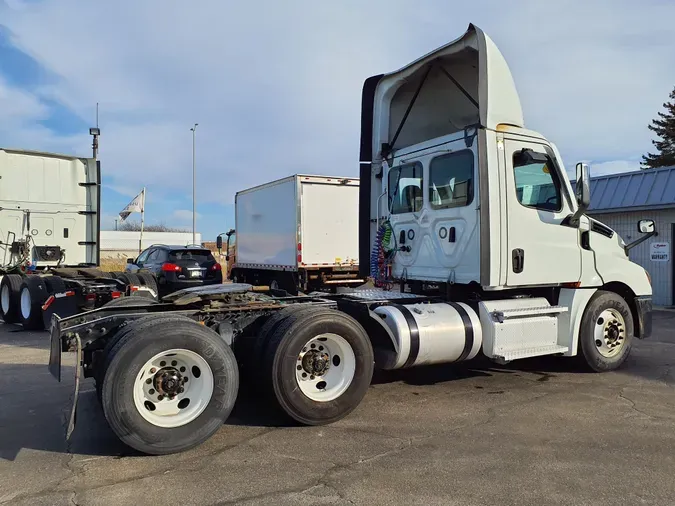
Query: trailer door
x=329, y=223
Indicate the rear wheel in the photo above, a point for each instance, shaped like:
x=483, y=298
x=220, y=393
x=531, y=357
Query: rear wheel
x=9, y=297
x=149, y=282
x=33, y=294
x=319, y=364
x=606, y=332
x=168, y=395
x=129, y=279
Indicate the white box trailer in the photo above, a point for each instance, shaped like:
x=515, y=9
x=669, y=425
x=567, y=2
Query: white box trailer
x=50, y=209
x=298, y=233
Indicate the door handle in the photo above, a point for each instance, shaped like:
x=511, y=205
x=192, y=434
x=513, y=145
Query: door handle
x=518, y=260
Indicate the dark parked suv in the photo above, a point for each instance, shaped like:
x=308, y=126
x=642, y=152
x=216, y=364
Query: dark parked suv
x=177, y=267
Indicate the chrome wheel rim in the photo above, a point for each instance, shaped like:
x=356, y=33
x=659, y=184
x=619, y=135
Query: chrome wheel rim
x=609, y=333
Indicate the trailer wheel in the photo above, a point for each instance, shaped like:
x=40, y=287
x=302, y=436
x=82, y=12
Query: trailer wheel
x=168, y=395
x=9, y=297
x=320, y=364
x=149, y=281
x=606, y=332
x=32, y=294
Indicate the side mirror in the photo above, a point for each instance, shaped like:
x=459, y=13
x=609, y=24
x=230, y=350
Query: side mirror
x=130, y=260
x=583, y=187
x=219, y=242
x=646, y=226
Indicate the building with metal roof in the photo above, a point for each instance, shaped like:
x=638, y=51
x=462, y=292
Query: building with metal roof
x=621, y=200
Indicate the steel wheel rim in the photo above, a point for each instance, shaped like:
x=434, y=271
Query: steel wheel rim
x=26, y=303
x=609, y=333
x=337, y=356
x=4, y=299
x=176, y=367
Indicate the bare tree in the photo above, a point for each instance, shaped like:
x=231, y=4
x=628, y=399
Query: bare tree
x=135, y=226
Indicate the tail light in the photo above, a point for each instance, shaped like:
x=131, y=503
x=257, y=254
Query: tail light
x=217, y=267
x=299, y=253
x=116, y=295
x=168, y=267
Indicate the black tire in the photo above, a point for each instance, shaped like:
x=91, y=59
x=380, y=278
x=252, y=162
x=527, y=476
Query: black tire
x=129, y=355
x=34, y=290
x=287, y=342
x=588, y=352
x=270, y=326
x=55, y=284
x=148, y=280
x=129, y=279
x=9, y=292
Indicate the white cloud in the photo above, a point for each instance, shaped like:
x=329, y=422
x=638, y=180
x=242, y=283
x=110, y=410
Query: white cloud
x=183, y=216
x=276, y=86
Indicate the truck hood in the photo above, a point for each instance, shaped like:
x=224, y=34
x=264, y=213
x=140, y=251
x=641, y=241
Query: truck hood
x=465, y=83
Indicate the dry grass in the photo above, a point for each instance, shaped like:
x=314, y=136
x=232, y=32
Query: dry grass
x=114, y=264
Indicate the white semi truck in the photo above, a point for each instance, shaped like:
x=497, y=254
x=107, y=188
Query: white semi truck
x=478, y=245
x=299, y=233
x=50, y=238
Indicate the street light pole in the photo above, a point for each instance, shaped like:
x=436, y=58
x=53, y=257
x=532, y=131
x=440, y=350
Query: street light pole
x=194, y=179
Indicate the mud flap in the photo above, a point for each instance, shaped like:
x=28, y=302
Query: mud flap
x=78, y=368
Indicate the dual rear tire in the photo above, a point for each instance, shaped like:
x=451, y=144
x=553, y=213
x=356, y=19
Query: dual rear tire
x=21, y=300
x=172, y=393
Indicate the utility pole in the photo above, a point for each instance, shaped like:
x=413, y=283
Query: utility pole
x=95, y=132
x=194, y=179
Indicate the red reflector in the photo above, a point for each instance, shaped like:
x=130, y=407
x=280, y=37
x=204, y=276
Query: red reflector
x=133, y=288
x=116, y=295
x=299, y=247
x=217, y=267
x=170, y=267
x=70, y=293
x=90, y=296
x=299, y=258
x=48, y=302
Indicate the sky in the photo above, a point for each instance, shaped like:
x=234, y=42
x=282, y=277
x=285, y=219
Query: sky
x=276, y=86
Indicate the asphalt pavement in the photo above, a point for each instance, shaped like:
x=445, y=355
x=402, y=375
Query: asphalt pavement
x=534, y=432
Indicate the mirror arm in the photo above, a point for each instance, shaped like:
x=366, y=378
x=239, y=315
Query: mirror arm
x=639, y=241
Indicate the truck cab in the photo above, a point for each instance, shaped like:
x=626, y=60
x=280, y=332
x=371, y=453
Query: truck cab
x=475, y=204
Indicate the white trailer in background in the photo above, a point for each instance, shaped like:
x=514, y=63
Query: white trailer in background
x=298, y=233
x=50, y=238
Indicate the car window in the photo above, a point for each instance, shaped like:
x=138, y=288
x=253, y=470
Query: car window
x=152, y=257
x=143, y=256
x=192, y=255
x=537, y=185
x=405, y=189
x=451, y=180
x=162, y=256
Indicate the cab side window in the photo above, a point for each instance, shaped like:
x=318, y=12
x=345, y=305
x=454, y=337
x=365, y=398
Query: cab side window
x=451, y=180
x=405, y=189
x=537, y=183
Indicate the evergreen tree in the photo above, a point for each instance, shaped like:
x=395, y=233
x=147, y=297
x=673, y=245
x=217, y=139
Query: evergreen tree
x=664, y=127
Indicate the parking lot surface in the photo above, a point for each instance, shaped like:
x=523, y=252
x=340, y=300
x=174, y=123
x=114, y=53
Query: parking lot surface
x=533, y=432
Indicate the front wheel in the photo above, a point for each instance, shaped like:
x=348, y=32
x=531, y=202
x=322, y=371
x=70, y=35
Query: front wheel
x=319, y=364
x=168, y=395
x=606, y=332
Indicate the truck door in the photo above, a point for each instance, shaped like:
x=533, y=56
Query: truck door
x=541, y=249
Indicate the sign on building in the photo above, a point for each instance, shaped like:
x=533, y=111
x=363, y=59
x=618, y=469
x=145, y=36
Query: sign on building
x=659, y=251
